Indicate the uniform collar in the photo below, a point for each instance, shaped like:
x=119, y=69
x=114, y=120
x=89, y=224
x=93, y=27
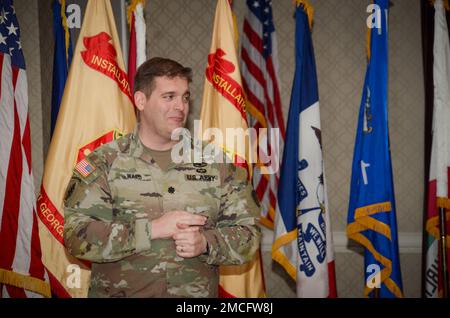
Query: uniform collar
x=137, y=148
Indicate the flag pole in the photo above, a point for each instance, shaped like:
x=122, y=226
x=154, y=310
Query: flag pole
x=444, y=267
x=376, y=293
x=123, y=31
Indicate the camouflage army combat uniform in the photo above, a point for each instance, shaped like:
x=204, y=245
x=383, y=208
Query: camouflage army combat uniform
x=110, y=203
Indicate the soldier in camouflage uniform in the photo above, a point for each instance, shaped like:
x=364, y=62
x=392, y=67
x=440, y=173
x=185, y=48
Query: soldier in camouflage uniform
x=150, y=227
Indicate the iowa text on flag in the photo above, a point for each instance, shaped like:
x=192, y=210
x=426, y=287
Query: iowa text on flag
x=260, y=81
x=22, y=273
x=371, y=214
x=303, y=243
x=223, y=107
x=96, y=108
x=438, y=190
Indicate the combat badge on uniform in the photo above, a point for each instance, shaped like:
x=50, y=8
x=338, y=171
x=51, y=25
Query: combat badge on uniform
x=84, y=168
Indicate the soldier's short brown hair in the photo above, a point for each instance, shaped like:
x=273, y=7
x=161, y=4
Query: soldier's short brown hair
x=155, y=67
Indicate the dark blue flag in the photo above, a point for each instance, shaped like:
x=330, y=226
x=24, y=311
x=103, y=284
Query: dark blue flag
x=371, y=214
x=62, y=57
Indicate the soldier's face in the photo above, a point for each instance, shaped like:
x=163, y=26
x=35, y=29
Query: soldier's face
x=167, y=107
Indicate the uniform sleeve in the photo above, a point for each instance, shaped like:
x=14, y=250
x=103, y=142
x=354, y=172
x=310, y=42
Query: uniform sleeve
x=236, y=236
x=91, y=232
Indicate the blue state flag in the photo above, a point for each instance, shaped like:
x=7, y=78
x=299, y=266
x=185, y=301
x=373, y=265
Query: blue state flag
x=303, y=242
x=371, y=214
x=62, y=57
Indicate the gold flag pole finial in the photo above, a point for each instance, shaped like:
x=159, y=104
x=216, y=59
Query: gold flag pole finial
x=66, y=28
x=131, y=8
x=308, y=9
x=235, y=27
x=446, y=4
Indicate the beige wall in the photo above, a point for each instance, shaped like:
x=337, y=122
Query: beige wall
x=46, y=58
x=181, y=29
x=27, y=14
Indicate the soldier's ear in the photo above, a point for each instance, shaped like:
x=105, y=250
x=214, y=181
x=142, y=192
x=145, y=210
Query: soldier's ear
x=139, y=100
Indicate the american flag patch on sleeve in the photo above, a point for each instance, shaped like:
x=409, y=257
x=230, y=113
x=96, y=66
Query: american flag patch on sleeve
x=84, y=168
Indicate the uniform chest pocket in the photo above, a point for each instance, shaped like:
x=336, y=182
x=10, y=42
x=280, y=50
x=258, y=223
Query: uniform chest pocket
x=135, y=193
x=202, y=194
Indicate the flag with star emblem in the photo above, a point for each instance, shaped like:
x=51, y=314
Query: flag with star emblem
x=259, y=65
x=22, y=273
x=96, y=108
x=303, y=241
x=371, y=213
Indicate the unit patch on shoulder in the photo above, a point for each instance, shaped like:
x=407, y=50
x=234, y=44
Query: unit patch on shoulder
x=84, y=168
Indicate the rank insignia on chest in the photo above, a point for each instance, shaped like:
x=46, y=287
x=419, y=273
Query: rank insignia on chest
x=84, y=168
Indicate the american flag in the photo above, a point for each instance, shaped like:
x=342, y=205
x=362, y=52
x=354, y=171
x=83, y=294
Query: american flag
x=84, y=168
x=259, y=76
x=136, y=49
x=22, y=273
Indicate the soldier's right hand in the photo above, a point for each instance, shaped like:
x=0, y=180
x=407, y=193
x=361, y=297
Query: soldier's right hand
x=168, y=225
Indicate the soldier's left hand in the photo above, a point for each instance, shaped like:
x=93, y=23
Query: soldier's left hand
x=190, y=242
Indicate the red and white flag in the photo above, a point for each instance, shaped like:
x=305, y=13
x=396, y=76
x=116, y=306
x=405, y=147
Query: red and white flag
x=260, y=81
x=136, y=50
x=438, y=190
x=22, y=273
